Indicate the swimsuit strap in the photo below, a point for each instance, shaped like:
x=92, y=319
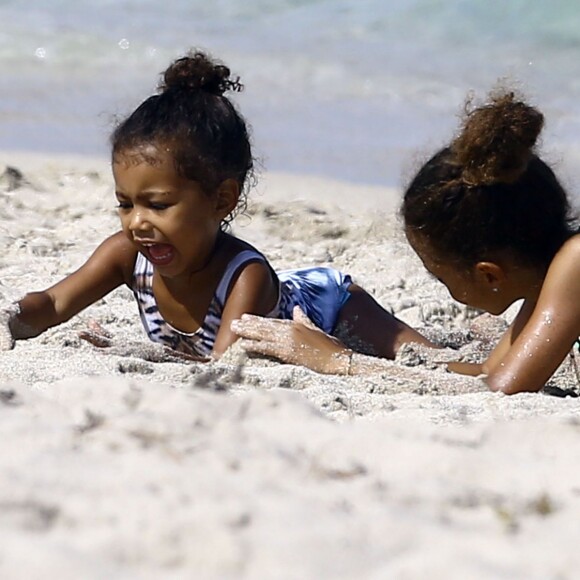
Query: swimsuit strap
x=233, y=267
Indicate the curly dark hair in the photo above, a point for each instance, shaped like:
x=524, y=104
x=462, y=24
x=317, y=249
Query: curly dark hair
x=209, y=138
x=488, y=191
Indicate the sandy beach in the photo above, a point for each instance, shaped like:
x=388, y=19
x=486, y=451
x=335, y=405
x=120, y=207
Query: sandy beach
x=118, y=464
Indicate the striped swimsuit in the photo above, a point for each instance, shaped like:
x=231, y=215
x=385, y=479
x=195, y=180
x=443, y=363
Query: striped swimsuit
x=320, y=292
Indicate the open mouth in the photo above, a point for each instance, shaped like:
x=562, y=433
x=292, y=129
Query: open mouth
x=160, y=254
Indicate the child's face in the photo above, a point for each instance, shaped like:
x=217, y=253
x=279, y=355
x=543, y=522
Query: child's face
x=470, y=287
x=169, y=218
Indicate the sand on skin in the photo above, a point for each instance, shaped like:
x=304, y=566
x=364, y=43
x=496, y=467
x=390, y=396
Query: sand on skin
x=116, y=466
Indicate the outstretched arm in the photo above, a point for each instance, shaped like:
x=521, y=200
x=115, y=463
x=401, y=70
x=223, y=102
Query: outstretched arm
x=107, y=268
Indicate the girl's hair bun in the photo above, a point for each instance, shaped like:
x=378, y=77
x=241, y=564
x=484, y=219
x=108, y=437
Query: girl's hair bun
x=198, y=72
x=497, y=139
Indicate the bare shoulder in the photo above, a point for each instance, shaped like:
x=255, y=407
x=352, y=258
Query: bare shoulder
x=571, y=246
x=116, y=252
x=119, y=243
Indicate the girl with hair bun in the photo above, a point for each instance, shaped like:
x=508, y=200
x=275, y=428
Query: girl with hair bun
x=491, y=221
x=181, y=163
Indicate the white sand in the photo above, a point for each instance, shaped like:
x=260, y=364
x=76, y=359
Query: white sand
x=117, y=467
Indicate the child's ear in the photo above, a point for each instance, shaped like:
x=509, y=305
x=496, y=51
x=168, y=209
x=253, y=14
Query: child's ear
x=490, y=274
x=227, y=196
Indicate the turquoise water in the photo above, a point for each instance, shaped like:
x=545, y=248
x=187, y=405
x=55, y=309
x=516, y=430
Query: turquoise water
x=344, y=88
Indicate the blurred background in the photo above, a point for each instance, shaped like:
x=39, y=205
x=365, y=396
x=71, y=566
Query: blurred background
x=359, y=90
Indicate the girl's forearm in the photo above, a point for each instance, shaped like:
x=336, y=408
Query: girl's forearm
x=466, y=368
x=407, y=379
x=348, y=362
x=352, y=363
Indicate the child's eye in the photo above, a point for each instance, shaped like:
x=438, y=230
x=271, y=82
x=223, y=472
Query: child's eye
x=159, y=206
x=124, y=205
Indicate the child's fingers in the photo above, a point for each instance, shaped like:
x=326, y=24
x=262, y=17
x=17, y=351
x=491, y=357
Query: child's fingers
x=98, y=328
x=152, y=352
x=147, y=351
x=95, y=338
x=176, y=356
x=257, y=327
x=96, y=335
x=262, y=347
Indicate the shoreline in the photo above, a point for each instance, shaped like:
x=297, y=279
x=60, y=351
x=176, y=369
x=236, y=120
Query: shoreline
x=275, y=186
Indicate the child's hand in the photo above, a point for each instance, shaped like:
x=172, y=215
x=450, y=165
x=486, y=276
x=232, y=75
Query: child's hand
x=97, y=335
x=297, y=341
x=149, y=351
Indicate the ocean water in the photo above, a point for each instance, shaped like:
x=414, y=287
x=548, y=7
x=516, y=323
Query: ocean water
x=352, y=89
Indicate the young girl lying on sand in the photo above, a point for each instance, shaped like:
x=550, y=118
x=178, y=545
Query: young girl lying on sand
x=490, y=220
x=181, y=162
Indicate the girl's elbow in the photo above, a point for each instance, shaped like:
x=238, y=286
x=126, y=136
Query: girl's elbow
x=498, y=387
x=509, y=387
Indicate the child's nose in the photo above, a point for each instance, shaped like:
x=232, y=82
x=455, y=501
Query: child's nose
x=138, y=222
